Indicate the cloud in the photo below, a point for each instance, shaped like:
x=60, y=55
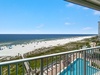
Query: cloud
x=70, y=5
x=40, y=26
x=85, y=8
x=96, y=12
x=76, y=6
x=87, y=28
x=67, y=23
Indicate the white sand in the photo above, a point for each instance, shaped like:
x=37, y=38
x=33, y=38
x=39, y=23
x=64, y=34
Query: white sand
x=32, y=46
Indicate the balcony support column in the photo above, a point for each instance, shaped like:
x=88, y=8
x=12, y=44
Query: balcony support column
x=99, y=30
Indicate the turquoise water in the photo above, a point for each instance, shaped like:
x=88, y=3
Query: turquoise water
x=77, y=68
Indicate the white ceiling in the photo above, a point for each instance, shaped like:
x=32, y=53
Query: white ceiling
x=94, y=4
x=95, y=1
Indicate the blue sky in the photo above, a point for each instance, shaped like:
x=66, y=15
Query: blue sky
x=46, y=17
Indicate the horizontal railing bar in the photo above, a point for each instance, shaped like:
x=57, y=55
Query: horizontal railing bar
x=45, y=56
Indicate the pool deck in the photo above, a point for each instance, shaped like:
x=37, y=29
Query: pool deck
x=98, y=73
x=57, y=68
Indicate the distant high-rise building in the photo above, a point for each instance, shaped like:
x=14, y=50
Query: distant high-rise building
x=99, y=30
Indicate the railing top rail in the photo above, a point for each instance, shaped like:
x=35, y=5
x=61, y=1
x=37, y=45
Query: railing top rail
x=45, y=56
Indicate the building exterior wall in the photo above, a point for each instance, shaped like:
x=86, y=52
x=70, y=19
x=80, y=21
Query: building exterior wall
x=99, y=30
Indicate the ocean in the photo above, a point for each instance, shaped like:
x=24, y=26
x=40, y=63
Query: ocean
x=7, y=39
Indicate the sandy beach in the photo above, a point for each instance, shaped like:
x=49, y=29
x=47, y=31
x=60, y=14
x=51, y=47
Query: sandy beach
x=24, y=48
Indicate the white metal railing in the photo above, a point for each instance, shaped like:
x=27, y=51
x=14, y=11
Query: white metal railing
x=76, y=62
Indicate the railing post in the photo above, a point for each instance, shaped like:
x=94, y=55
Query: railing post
x=41, y=65
x=0, y=70
x=84, y=57
x=8, y=69
x=16, y=69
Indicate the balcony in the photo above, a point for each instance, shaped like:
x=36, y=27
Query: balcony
x=94, y=4
x=77, y=62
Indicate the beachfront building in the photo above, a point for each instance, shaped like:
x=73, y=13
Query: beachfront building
x=99, y=30
x=75, y=62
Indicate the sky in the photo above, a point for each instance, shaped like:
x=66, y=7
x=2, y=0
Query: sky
x=46, y=17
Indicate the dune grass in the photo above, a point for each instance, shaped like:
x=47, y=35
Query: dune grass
x=35, y=64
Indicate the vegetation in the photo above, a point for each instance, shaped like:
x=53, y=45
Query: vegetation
x=35, y=64
x=12, y=69
x=58, y=49
x=95, y=65
x=97, y=55
x=10, y=58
